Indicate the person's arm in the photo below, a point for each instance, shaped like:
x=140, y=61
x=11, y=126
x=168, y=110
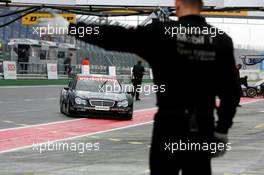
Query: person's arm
x=227, y=86
x=134, y=40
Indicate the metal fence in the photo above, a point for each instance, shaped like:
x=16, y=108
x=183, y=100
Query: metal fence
x=1, y=69
x=39, y=71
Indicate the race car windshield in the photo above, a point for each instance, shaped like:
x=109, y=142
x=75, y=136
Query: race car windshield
x=98, y=86
x=102, y=85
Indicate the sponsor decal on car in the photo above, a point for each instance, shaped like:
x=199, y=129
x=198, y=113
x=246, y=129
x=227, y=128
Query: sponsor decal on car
x=96, y=78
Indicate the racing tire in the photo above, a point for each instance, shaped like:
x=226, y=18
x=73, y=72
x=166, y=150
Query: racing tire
x=251, y=92
x=128, y=117
x=69, y=112
x=61, y=110
x=61, y=106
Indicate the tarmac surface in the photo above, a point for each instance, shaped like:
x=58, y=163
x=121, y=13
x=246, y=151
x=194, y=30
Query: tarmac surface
x=111, y=147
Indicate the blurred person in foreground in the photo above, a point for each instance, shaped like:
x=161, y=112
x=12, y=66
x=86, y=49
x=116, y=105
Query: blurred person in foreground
x=185, y=118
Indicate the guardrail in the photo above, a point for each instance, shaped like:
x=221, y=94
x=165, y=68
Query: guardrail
x=39, y=71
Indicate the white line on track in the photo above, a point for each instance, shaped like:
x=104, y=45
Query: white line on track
x=40, y=99
x=136, y=143
x=50, y=98
x=21, y=124
x=7, y=121
x=64, y=121
x=114, y=140
x=29, y=100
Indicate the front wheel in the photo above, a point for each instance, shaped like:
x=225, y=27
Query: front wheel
x=61, y=106
x=128, y=117
x=69, y=111
x=251, y=92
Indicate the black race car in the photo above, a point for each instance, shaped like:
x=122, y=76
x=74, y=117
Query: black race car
x=96, y=96
x=253, y=90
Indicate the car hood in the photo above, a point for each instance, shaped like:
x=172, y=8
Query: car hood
x=101, y=95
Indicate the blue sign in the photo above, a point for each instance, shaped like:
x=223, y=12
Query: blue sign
x=261, y=66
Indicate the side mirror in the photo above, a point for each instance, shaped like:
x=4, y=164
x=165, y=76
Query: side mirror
x=66, y=88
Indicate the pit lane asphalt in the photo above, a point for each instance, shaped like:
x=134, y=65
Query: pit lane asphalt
x=122, y=152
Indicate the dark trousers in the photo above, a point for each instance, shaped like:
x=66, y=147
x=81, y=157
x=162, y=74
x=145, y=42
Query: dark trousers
x=24, y=68
x=137, y=85
x=239, y=95
x=66, y=68
x=170, y=131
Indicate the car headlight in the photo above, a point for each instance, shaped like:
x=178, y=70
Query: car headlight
x=80, y=101
x=123, y=103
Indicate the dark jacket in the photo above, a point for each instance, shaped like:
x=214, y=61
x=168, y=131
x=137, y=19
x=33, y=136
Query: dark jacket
x=67, y=61
x=138, y=71
x=195, y=69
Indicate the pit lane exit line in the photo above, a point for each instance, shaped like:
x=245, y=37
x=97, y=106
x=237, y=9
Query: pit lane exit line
x=16, y=139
